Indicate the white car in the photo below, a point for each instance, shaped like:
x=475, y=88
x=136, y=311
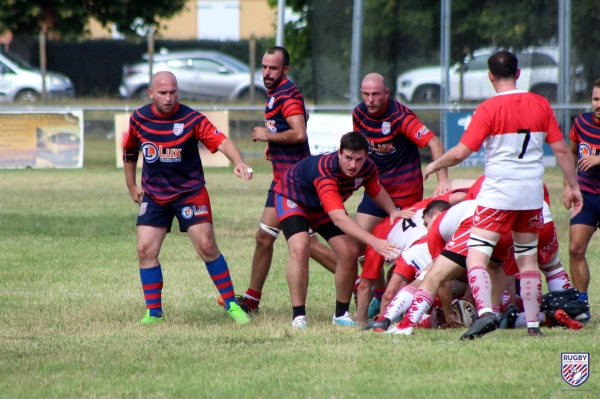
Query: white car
x=21, y=83
x=539, y=74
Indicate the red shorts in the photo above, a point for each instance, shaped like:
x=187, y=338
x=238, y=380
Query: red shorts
x=286, y=208
x=503, y=221
x=458, y=243
x=414, y=260
x=547, y=250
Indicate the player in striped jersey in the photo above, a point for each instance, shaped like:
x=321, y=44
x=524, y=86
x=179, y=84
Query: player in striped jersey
x=173, y=186
x=287, y=144
x=512, y=126
x=585, y=148
x=311, y=194
x=395, y=135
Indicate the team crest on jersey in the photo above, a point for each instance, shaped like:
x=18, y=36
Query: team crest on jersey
x=358, y=182
x=585, y=150
x=270, y=125
x=271, y=102
x=421, y=132
x=143, y=207
x=187, y=212
x=178, y=128
x=386, y=128
x=291, y=204
x=575, y=367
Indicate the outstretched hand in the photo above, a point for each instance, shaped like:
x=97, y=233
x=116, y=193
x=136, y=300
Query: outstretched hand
x=244, y=171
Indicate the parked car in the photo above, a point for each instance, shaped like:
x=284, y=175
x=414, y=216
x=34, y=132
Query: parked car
x=205, y=75
x=21, y=83
x=539, y=74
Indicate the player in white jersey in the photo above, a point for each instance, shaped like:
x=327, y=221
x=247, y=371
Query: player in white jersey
x=512, y=126
x=409, y=235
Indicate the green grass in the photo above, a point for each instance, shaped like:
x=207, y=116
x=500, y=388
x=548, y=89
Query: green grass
x=70, y=294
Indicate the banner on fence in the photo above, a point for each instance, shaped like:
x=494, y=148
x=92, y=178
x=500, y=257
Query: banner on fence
x=457, y=122
x=325, y=131
x=52, y=139
x=218, y=118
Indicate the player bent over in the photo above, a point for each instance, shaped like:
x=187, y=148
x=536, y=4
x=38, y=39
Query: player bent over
x=311, y=194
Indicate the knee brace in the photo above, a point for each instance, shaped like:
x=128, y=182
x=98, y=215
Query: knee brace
x=482, y=244
x=525, y=249
x=271, y=230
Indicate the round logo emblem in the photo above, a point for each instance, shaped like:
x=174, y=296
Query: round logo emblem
x=150, y=152
x=187, y=212
x=584, y=150
x=291, y=204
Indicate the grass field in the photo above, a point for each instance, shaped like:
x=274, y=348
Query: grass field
x=71, y=297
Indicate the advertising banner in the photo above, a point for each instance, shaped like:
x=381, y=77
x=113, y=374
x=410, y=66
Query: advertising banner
x=457, y=122
x=52, y=139
x=218, y=118
x=325, y=131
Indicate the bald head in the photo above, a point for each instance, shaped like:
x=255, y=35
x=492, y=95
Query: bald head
x=374, y=80
x=163, y=92
x=163, y=76
x=374, y=93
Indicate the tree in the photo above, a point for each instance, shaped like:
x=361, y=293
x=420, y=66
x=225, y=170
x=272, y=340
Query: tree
x=70, y=17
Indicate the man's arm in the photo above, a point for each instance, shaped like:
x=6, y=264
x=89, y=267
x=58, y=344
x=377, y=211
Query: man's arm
x=454, y=156
x=231, y=151
x=437, y=150
x=296, y=134
x=135, y=191
x=571, y=195
x=383, y=201
x=345, y=223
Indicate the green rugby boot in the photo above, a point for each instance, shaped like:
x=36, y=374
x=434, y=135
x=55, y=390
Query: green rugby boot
x=237, y=314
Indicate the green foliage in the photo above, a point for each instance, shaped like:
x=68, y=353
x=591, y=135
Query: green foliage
x=69, y=17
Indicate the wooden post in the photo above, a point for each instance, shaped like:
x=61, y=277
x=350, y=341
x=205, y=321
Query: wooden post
x=252, y=66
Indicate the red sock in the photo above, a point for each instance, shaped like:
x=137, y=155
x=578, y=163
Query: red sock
x=421, y=303
x=252, y=298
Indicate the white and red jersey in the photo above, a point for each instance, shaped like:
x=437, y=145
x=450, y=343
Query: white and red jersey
x=445, y=226
x=512, y=126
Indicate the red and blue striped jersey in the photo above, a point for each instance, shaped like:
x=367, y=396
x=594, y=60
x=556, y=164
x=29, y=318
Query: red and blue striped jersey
x=284, y=101
x=395, y=137
x=586, y=133
x=317, y=183
x=169, y=145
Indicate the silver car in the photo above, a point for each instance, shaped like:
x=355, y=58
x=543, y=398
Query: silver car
x=21, y=83
x=201, y=75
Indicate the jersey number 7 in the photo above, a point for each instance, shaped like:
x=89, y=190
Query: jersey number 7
x=527, y=134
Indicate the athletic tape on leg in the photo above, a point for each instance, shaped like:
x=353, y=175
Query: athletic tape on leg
x=271, y=230
x=481, y=244
x=525, y=249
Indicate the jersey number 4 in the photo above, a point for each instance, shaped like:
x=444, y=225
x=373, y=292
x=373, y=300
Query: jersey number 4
x=527, y=134
x=407, y=224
